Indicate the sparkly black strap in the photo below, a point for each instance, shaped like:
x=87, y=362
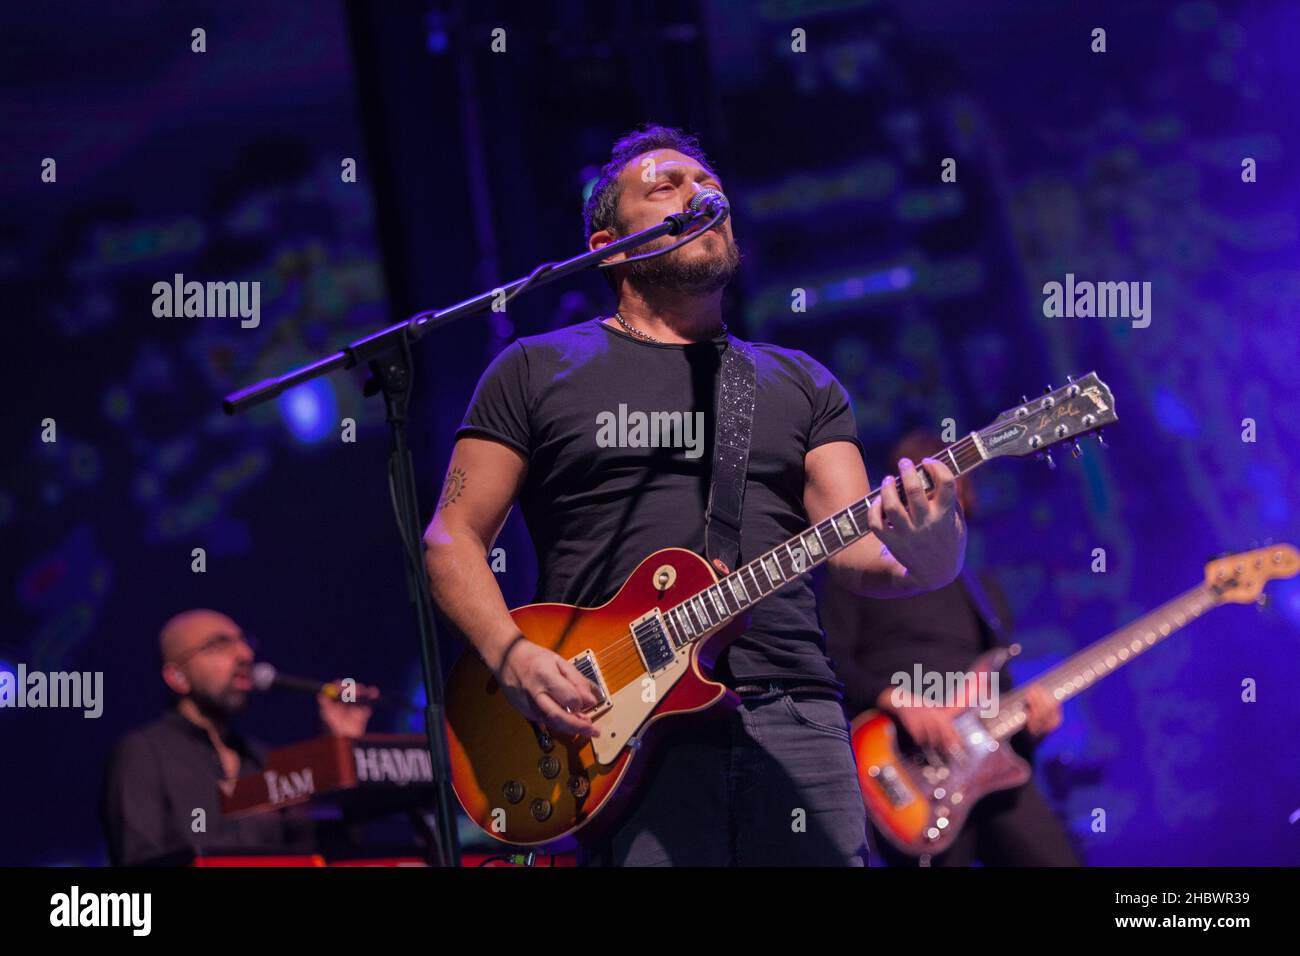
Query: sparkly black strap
x=735, y=420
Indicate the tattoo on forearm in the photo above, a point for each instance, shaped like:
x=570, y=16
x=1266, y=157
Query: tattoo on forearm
x=452, y=489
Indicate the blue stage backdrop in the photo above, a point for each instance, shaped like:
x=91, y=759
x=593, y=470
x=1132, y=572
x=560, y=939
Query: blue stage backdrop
x=906, y=179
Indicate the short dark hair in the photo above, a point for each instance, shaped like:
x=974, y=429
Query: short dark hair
x=601, y=208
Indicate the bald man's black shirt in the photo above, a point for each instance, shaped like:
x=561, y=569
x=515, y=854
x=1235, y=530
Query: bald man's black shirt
x=160, y=774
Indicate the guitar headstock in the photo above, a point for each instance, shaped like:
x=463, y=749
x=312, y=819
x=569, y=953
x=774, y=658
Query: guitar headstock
x=1083, y=406
x=1239, y=578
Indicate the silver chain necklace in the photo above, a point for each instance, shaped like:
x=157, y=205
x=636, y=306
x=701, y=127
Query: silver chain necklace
x=641, y=335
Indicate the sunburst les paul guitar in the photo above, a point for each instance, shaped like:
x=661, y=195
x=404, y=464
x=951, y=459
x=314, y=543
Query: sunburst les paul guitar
x=650, y=649
x=920, y=799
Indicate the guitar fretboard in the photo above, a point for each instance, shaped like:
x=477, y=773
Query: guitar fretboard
x=1106, y=655
x=740, y=590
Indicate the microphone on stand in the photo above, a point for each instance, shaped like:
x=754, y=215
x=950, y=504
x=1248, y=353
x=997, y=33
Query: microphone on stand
x=266, y=677
x=710, y=202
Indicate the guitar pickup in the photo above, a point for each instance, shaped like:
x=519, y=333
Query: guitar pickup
x=586, y=665
x=652, y=639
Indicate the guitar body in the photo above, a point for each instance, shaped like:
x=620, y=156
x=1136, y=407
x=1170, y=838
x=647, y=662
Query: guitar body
x=527, y=788
x=921, y=803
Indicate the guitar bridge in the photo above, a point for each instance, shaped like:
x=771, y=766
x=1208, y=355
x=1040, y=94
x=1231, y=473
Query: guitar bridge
x=586, y=665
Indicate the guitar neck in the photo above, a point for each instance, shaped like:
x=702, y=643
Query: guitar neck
x=1107, y=655
x=707, y=610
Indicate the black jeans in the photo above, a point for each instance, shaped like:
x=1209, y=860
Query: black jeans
x=772, y=784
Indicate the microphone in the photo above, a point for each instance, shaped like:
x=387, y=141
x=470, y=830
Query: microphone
x=710, y=202
x=266, y=677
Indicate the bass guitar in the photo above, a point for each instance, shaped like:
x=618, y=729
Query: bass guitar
x=920, y=799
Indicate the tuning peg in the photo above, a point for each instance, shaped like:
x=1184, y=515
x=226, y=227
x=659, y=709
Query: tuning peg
x=1024, y=399
x=1261, y=602
x=1076, y=450
x=1047, y=457
x=1101, y=441
x=1069, y=380
x=1047, y=389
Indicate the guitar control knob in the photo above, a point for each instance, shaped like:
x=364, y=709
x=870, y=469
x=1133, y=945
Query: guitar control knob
x=545, y=742
x=873, y=771
x=549, y=766
x=932, y=834
x=579, y=786
x=541, y=809
x=513, y=790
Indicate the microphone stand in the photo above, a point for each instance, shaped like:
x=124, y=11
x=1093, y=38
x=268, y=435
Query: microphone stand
x=388, y=353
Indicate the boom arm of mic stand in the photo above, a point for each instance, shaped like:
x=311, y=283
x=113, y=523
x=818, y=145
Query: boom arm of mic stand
x=377, y=343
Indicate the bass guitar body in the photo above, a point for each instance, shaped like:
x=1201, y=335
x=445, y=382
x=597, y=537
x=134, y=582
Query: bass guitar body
x=920, y=800
x=527, y=787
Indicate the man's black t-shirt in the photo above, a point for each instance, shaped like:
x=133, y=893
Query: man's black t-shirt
x=580, y=403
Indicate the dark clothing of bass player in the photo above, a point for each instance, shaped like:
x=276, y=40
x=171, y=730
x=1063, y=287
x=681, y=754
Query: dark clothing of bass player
x=943, y=632
x=603, y=433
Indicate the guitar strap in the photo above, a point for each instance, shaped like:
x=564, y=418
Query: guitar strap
x=734, y=424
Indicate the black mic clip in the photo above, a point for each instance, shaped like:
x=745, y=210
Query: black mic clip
x=683, y=220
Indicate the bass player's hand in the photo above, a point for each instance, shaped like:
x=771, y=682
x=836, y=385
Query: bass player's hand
x=546, y=688
x=928, y=725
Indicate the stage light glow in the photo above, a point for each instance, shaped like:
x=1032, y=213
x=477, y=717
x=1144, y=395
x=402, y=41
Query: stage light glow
x=310, y=410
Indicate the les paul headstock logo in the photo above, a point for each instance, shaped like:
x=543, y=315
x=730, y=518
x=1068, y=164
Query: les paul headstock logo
x=1068, y=409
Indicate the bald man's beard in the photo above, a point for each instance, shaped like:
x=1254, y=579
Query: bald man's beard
x=685, y=271
x=224, y=703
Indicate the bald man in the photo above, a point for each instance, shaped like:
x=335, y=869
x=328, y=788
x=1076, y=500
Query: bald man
x=161, y=774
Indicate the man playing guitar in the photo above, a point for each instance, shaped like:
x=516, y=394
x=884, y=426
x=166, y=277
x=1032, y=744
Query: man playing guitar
x=773, y=782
